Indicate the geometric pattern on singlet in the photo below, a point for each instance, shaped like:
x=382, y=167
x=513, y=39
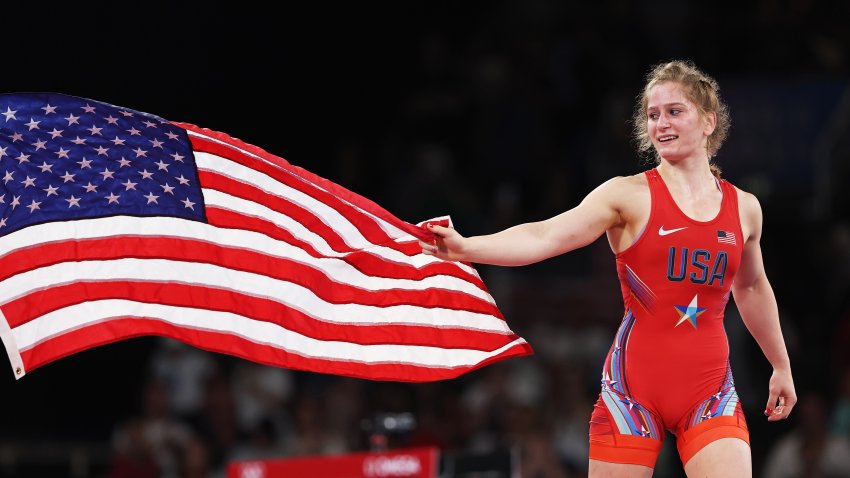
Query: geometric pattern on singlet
x=721, y=404
x=640, y=291
x=630, y=417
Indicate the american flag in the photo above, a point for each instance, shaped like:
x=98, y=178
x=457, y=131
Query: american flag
x=725, y=237
x=116, y=223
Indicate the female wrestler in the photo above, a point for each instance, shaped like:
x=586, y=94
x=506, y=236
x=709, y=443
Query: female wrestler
x=683, y=240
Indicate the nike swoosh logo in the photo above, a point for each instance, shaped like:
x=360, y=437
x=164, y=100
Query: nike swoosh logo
x=662, y=232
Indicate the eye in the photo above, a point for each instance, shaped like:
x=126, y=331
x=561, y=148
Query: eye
x=675, y=111
x=653, y=116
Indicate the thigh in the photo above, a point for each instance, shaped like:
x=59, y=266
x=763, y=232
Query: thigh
x=717, y=417
x=602, y=469
x=721, y=458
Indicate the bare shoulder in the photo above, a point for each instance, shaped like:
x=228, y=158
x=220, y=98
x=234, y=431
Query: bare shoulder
x=748, y=204
x=749, y=210
x=627, y=192
x=627, y=196
x=625, y=186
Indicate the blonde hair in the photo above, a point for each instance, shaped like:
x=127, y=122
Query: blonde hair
x=701, y=89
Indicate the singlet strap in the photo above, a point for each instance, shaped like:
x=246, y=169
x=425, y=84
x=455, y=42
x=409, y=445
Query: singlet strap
x=656, y=187
x=732, y=208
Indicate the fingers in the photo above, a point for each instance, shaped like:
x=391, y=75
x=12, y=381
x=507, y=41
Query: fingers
x=770, y=409
x=783, y=410
x=779, y=408
x=431, y=248
x=428, y=248
x=779, y=412
x=445, y=245
x=439, y=230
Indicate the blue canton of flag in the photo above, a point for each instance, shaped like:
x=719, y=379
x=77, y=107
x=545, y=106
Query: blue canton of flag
x=64, y=158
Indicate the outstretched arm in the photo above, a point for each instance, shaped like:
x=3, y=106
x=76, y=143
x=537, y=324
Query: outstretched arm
x=534, y=241
x=757, y=305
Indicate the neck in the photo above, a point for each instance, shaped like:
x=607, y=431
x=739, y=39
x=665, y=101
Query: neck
x=693, y=175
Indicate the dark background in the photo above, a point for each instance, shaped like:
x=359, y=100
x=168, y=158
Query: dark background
x=495, y=113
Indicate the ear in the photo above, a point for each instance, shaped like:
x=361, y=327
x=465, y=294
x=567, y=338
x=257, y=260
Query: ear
x=710, y=122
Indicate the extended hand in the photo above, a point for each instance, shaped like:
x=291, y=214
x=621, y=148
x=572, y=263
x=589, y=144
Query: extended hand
x=448, y=244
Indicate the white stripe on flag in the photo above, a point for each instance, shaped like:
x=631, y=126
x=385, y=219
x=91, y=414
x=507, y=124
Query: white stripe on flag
x=347, y=231
x=165, y=227
x=74, y=317
x=255, y=285
x=388, y=228
x=11, y=346
x=330, y=216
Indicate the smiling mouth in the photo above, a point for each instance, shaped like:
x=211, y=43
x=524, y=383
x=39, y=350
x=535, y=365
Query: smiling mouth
x=667, y=139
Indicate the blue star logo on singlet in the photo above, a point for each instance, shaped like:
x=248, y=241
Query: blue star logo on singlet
x=689, y=312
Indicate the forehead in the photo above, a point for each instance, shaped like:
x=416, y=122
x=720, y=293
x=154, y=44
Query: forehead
x=666, y=93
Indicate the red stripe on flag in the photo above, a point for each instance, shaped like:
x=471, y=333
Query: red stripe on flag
x=125, y=328
x=275, y=203
x=236, y=259
x=39, y=303
x=320, y=189
x=365, y=262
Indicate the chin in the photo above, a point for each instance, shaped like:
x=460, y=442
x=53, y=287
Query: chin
x=671, y=156
x=666, y=151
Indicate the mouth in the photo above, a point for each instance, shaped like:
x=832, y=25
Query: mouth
x=667, y=138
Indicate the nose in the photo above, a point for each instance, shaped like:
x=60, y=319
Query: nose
x=663, y=121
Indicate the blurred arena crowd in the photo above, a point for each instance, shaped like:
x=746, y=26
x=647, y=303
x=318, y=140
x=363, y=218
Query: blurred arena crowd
x=514, y=116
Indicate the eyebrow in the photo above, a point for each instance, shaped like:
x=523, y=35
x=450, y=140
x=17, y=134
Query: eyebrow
x=652, y=107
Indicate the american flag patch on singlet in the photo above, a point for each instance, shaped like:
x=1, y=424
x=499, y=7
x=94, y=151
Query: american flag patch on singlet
x=725, y=237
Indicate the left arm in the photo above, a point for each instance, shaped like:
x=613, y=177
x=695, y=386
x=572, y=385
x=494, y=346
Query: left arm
x=757, y=305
